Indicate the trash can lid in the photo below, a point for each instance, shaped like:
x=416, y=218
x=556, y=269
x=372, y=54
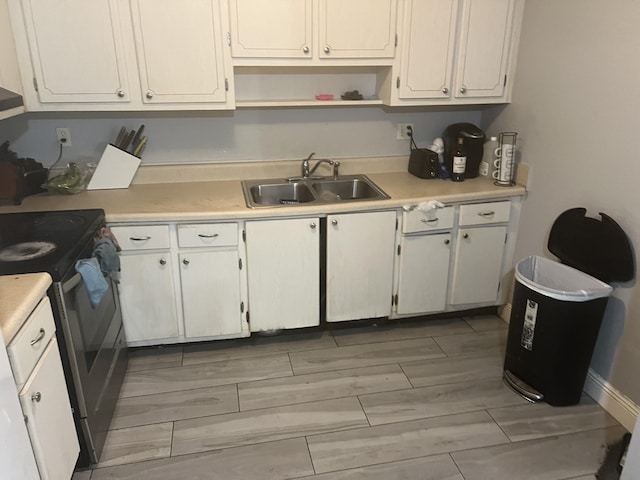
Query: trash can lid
x=597, y=247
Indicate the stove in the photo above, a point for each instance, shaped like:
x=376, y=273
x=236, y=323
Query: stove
x=46, y=241
x=90, y=337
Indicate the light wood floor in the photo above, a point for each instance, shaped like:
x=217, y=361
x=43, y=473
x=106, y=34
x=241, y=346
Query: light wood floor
x=420, y=400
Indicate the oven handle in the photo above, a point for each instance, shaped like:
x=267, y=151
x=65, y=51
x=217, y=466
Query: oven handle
x=72, y=283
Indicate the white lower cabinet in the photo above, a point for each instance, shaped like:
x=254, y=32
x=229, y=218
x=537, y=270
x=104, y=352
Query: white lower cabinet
x=147, y=296
x=45, y=403
x=360, y=258
x=283, y=269
x=423, y=273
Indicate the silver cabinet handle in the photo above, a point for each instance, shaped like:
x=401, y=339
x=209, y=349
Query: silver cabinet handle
x=40, y=336
x=334, y=222
x=431, y=220
x=465, y=235
x=327, y=49
x=186, y=261
x=140, y=239
x=489, y=213
x=36, y=397
x=463, y=89
x=163, y=261
x=445, y=90
x=305, y=49
x=313, y=226
x=121, y=93
x=149, y=95
x=207, y=235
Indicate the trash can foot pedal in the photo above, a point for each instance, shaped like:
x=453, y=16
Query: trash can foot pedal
x=521, y=388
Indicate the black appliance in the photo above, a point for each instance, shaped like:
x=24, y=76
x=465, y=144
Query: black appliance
x=474, y=139
x=91, y=341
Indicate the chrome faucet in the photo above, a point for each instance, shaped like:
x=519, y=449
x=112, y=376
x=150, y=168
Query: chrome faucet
x=306, y=172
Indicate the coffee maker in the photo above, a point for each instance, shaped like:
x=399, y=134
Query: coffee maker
x=474, y=139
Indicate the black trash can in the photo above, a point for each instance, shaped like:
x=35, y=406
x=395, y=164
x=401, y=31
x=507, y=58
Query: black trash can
x=557, y=309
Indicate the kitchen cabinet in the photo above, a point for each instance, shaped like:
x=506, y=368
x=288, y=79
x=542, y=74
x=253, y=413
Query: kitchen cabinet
x=312, y=29
x=210, y=276
x=480, y=252
x=423, y=261
x=123, y=55
x=283, y=270
x=147, y=293
x=10, y=88
x=456, y=51
x=35, y=359
x=360, y=258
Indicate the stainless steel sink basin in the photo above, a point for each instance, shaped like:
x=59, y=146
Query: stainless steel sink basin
x=274, y=192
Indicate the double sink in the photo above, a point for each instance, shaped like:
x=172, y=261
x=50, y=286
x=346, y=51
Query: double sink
x=310, y=191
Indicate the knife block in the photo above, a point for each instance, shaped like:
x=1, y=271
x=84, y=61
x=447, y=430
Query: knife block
x=115, y=169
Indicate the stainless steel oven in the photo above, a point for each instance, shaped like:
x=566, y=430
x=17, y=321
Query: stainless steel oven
x=91, y=340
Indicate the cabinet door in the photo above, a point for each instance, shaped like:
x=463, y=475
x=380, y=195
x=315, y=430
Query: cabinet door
x=274, y=29
x=77, y=50
x=485, y=40
x=424, y=273
x=360, y=255
x=45, y=402
x=478, y=265
x=357, y=29
x=210, y=293
x=283, y=268
x=147, y=297
x=428, y=41
x=179, y=50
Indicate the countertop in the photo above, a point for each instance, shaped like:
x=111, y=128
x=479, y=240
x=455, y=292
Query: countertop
x=220, y=200
x=19, y=295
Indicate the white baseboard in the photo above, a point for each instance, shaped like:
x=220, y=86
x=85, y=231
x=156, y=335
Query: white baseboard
x=618, y=405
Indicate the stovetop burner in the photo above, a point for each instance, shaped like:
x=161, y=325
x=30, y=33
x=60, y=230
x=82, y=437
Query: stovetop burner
x=23, y=251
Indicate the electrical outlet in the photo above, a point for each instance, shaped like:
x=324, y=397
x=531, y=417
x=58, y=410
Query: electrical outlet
x=402, y=131
x=64, y=136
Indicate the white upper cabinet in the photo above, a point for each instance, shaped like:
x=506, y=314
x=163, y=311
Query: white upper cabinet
x=483, y=57
x=456, y=51
x=274, y=29
x=179, y=50
x=357, y=28
x=77, y=50
x=313, y=30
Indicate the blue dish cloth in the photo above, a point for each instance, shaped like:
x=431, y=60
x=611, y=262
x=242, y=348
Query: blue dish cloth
x=93, y=279
x=105, y=251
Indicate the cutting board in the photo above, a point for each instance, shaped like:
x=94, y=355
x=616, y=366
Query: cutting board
x=115, y=169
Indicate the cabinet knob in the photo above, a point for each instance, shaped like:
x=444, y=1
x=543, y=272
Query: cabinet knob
x=447, y=241
x=465, y=235
x=186, y=261
x=121, y=93
x=149, y=95
x=313, y=226
x=334, y=222
x=36, y=397
x=327, y=49
x=463, y=89
x=445, y=90
x=305, y=49
x=163, y=261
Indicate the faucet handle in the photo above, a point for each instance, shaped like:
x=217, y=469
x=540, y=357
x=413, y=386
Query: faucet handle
x=336, y=165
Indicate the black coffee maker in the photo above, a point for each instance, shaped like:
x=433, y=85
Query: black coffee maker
x=474, y=139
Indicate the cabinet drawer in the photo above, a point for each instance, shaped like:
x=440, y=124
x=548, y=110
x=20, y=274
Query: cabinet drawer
x=208, y=235
x=142, y=237
x=417, y=221
x=483, y=213
x=30, y=341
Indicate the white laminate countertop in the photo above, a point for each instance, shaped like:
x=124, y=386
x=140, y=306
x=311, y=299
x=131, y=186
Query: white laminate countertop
x=220, y=200
x=19, y=295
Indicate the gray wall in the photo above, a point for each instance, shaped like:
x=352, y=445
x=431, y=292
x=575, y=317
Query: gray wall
x=575, y=106
x=249, y=134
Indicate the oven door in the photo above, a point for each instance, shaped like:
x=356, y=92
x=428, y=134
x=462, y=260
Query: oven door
x=97, y=351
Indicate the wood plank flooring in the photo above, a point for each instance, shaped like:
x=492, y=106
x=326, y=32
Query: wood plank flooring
x=417, y=400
